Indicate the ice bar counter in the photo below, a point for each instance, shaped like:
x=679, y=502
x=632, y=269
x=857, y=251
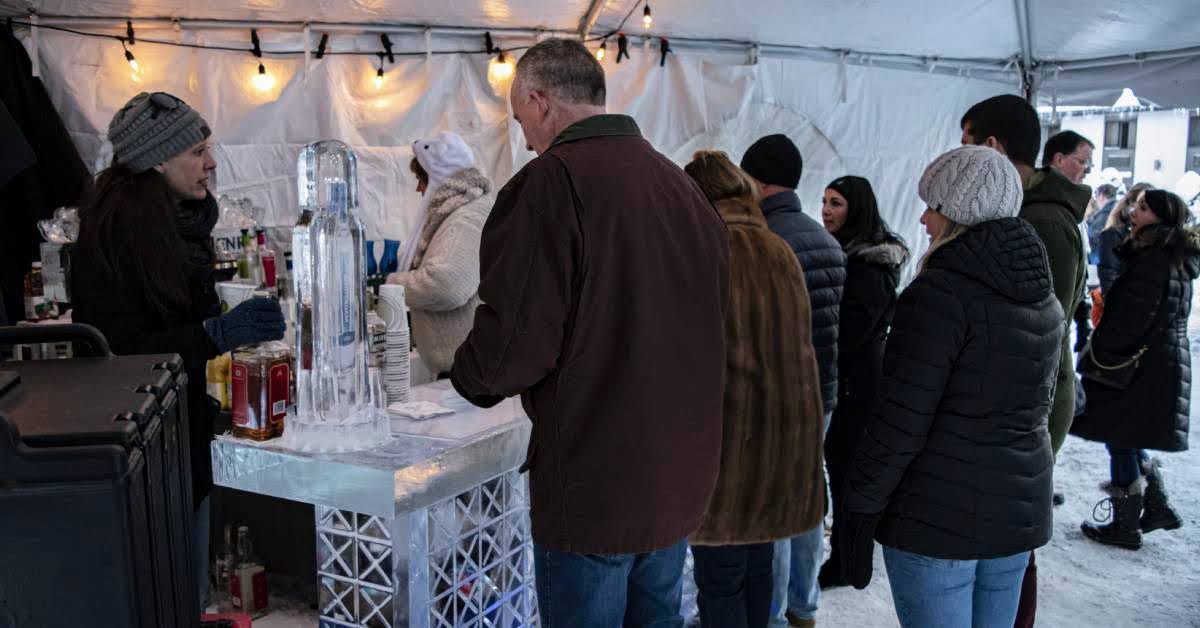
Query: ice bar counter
x=430, y=529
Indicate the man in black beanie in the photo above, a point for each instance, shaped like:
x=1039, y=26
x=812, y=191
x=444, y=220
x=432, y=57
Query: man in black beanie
x=775, y=164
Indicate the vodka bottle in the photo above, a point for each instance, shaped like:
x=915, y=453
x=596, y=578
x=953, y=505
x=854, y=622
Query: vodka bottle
x=339, y=311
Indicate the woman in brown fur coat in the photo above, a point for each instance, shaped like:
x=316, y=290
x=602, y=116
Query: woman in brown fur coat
x=771, y=485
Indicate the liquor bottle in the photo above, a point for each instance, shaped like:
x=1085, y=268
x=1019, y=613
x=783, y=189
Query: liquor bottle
x=248, y=580
x=249, y=268
x=266, y=258
x=339, y=310
x=262, y=384
x=225, y=560
x=37, y=307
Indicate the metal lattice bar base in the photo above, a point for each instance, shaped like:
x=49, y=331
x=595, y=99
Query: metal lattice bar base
x=465, y=561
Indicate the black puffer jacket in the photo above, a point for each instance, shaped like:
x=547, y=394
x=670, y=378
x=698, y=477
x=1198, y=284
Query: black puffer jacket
x=956, y=458
x=824, y=265
x=1153, y=412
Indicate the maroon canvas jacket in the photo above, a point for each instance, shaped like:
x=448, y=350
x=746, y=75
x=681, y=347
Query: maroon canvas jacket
x=604, y=276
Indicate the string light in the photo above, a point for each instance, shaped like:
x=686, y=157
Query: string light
x=379, y=73
x=647, y=18
x=263, y=82
x=602, y=50
x=501, y=69
x=137, y=69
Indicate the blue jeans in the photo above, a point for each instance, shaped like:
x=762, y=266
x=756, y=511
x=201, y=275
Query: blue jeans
x=1125, y=465
x=200, y=547
x=955, y=593
x=797, y=563
x=602, y=591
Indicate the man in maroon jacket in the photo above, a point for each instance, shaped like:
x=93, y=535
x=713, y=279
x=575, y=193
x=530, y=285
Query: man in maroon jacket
x=604, y=274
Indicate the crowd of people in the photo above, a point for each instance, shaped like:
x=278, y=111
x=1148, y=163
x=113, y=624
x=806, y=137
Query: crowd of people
x=707, y=366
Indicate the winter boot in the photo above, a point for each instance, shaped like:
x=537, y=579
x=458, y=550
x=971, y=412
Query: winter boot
x=1157, y=513
x=1125, y=506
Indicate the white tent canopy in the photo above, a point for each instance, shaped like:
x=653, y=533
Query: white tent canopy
x=868, y=87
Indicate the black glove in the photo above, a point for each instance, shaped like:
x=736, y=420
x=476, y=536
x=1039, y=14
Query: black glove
x=858, y=548
x=256, y=320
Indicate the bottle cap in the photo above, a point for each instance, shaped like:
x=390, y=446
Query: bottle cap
x=37, y=264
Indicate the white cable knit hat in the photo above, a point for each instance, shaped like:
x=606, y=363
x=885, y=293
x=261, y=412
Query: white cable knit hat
x=971, y=185
x=443, y=156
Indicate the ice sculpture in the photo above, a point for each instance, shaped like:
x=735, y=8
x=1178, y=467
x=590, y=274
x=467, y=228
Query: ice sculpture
x=334, y=409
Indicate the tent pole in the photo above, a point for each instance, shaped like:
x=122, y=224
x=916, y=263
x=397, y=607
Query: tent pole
x=589, y=19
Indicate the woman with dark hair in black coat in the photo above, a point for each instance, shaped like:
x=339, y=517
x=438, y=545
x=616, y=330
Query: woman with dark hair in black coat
x=142, y=269
x=1143, y=331
x=874, y=256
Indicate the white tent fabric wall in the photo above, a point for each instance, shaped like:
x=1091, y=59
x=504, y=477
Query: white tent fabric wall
x=890, y=126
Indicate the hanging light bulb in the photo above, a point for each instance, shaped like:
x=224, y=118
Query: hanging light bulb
x=379, y=78
x=262, y=81
x=500, y=70
x=602, y=51
x=647, y=19
x=133, y=62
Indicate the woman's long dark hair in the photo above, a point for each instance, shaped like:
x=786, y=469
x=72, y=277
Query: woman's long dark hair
x=864, y=226
x=128, y=228
x=1170, y=234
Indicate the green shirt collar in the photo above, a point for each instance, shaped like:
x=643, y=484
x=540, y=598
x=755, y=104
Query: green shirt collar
x=603, y=125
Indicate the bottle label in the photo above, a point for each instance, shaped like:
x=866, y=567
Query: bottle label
x=241, y=396
x=279, y=397
x=268, y=264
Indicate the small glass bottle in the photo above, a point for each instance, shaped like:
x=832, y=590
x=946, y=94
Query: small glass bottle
x=262, y=383
x=266, y=258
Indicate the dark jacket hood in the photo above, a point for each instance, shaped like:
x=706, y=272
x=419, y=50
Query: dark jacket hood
x=1048, y=186
x=1006, y=255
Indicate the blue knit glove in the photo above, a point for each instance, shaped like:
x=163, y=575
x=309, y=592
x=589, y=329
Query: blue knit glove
x=255, y=320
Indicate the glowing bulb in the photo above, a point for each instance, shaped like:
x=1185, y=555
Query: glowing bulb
x=379, y=79
x=647, y=19
x=263, y=81
x=500, y=70
x=132, y=62
x=600, y=52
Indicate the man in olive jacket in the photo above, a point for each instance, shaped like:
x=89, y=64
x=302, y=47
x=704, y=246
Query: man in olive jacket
x=604, y=278
x=1054, y=206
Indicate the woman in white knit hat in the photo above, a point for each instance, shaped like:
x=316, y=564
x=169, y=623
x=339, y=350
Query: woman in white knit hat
x=439, y=262
x=953, y=473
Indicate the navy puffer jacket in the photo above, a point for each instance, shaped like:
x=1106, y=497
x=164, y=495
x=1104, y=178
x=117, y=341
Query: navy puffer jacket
x=824, y=265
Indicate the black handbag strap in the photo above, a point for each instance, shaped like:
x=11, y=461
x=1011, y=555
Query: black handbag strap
x=1158, y=328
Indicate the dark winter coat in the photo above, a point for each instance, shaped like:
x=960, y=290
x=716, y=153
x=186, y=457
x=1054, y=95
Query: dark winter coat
x=117, y=307
x=1097, y=222
x=772, y=481
x=824, y=265
x=1153, y=412
x=1055, y=207
x=605, y=291
x=1110, y=264
x=868, y=302
x=956, y=458
x=40, y=170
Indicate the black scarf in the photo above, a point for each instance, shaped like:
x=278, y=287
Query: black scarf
x=194, y=222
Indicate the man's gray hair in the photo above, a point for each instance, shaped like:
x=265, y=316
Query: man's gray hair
x=564, y=69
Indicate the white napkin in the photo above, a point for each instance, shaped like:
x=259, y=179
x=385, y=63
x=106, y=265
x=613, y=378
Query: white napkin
x=418, y=410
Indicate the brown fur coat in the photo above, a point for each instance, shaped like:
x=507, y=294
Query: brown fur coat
x=771, y=484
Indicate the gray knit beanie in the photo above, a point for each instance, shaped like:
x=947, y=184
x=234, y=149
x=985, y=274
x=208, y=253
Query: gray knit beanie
x=971, y=185
x=152, y=128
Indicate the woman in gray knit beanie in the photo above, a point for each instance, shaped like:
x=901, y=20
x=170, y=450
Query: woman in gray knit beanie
x=142, y=269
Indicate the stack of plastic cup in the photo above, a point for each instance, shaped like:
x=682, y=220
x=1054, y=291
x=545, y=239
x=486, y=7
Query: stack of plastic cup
x=397, y=376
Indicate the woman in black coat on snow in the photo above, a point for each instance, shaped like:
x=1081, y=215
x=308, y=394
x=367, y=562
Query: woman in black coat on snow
x=953, y=471
x=1144, y=328
x=874, y=256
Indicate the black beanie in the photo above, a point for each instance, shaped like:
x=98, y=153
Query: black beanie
x=774, y=160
